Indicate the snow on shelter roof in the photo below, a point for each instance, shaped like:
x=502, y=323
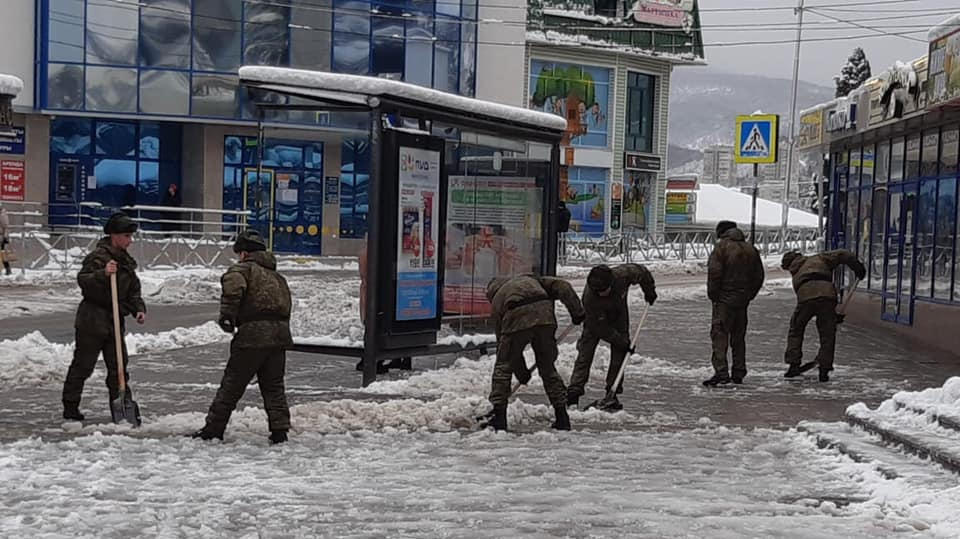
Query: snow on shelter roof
x=10, y=85
x=944, y=28
x=321, y=81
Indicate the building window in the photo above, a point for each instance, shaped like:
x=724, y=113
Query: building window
x=948, y=151
x=579, y=93
x=926, y=220
x=930, y=158
x=896, y=160
x=945, y=237
x=913, y=158
x=585, y=196
x=641, y=93
x=354, y=184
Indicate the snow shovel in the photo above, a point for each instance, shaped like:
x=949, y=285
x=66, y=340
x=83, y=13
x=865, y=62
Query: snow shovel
x=123, y=408
x=484, y=419
x=841, y=311
x=612, y=394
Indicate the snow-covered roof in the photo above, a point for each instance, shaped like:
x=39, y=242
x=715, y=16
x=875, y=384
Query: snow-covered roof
x=716, y=203
x=10, y=85
x=552, y=37
x=320, y=82
x=944, y=28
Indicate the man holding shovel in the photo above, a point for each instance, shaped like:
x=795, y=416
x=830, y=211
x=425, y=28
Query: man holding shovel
x=816, y=297
x=608, y=319
x=523, y=314
x=95, y=333
x=255, y=308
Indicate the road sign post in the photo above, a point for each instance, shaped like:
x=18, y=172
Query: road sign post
x=757, y=139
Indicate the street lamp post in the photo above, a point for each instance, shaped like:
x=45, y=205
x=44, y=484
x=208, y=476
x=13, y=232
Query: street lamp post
x=793, y=129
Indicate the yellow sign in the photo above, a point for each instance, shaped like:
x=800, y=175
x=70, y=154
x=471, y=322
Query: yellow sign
x=811, y=130
x=757, y=138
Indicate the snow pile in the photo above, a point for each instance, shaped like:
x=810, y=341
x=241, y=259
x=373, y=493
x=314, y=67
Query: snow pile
x=10, y=85
x=938, y=401
x=716, y=203
x=33, y=359
x=178, y=287
x=372, y=86
x=664, y=267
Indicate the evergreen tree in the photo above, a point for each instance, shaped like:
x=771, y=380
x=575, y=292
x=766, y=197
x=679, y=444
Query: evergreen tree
x=853, y=74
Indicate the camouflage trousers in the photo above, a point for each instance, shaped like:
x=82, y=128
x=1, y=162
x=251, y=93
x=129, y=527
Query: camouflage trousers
x=90, y=344
x=586, y=348
x=825, y=311
x=510, y=359
x=269, y=366
x=728, y=330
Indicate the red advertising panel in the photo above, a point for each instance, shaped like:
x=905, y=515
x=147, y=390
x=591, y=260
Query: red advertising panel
x=12, y=180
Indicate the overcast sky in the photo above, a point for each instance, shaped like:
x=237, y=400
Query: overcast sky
x=819, y=61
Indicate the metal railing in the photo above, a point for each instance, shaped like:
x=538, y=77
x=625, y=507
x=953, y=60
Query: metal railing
x=58, y=236
x=638, y=246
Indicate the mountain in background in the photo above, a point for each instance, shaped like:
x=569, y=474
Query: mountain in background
x=704, y=103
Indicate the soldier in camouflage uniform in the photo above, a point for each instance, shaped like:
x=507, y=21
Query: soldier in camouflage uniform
x=816, y=297
x=94, y=320
x=256, y=305
x=608, y=319
x=523, y=314
x=734, y=278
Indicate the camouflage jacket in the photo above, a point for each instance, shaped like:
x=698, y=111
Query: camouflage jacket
x=526, y=301
x=95, y=313
x=257, y=300
x=813, y=275
x=735, y=271
x=608, y=316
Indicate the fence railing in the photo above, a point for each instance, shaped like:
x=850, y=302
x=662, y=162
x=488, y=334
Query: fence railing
x=58, y=236
x=681, y=245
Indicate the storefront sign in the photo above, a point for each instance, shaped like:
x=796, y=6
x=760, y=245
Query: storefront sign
x=642, y=162
x=811, y=130
x=331, y=190
x=843, y=116
x=680, y=208
x=673, y=13
x=12, y=184
x=14, y=145
x=492, y=228
x=682, y=184
x=418, y=215
x=579, y=93
x=944, y=67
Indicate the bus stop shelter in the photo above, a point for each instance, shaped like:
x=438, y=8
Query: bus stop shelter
x=461, y=191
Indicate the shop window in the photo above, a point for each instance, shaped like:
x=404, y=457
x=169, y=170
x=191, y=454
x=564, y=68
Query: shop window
x=896, y=160
x=926, y=218
x=865, y=227
x=117, y=139
x=70, y=136
x=640, y=106
x=165, y=33
x=116, y=182
x=585, y=196
x=853, y=206
x=948, y=151
x=354, y=182
x=877, y=227
x=945, y=239
x=914, y=143
x=930, y=158
x=882, y=173
x=867, y=165
x=853, y=178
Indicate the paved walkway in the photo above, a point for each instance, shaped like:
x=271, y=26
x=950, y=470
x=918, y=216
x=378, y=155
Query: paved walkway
x=871, y=366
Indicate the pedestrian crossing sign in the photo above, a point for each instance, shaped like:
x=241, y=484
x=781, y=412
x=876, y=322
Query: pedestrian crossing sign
x=757, y=138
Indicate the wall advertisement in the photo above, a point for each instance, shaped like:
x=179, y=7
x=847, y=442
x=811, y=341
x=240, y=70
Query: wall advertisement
x=12, y=180
x=418, y=215
x=493, y=228
x=680, y=209
x=811, y=130
x=944, y=68
x=581, y=94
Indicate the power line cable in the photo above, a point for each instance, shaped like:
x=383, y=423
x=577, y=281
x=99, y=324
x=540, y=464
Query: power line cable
x=900, y=35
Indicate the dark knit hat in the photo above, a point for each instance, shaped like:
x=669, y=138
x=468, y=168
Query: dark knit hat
x=724, y=226
x=250, y=241
x=600, y=278
x=788, y=259
x=120, y=223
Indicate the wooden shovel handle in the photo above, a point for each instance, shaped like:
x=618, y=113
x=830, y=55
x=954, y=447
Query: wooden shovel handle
x=117, y=335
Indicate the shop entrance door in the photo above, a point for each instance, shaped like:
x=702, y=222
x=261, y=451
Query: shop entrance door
x=898, y=254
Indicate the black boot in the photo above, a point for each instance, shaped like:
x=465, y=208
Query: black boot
x=573, y=400
x=794, y=371
x=205, y=434
x=71, y=411
x=610, y=403
x=824, y=375
x=563, y=419
x=278, y=436
x=406, y=364
x=499, y=421
x=719, y=379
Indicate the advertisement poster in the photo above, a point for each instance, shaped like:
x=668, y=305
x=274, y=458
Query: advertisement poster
x=331, y=190
x=679, y=208
x=585, y=200
x=581, y=94
x=636, y=204
x=12, y=180
x=811, y=130
x=493, y=229
x=616, y=204
x=418, y=205
x=15, y=144
x=944, y=66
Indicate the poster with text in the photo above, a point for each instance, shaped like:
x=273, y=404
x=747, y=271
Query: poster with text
x=12, y=180
x=493, y=230
x=417, y=201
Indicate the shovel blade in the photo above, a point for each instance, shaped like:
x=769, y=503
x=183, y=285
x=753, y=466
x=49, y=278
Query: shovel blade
x=124, y=409
x=807, y=366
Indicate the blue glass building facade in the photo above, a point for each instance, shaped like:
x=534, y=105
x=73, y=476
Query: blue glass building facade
x=143, y=71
